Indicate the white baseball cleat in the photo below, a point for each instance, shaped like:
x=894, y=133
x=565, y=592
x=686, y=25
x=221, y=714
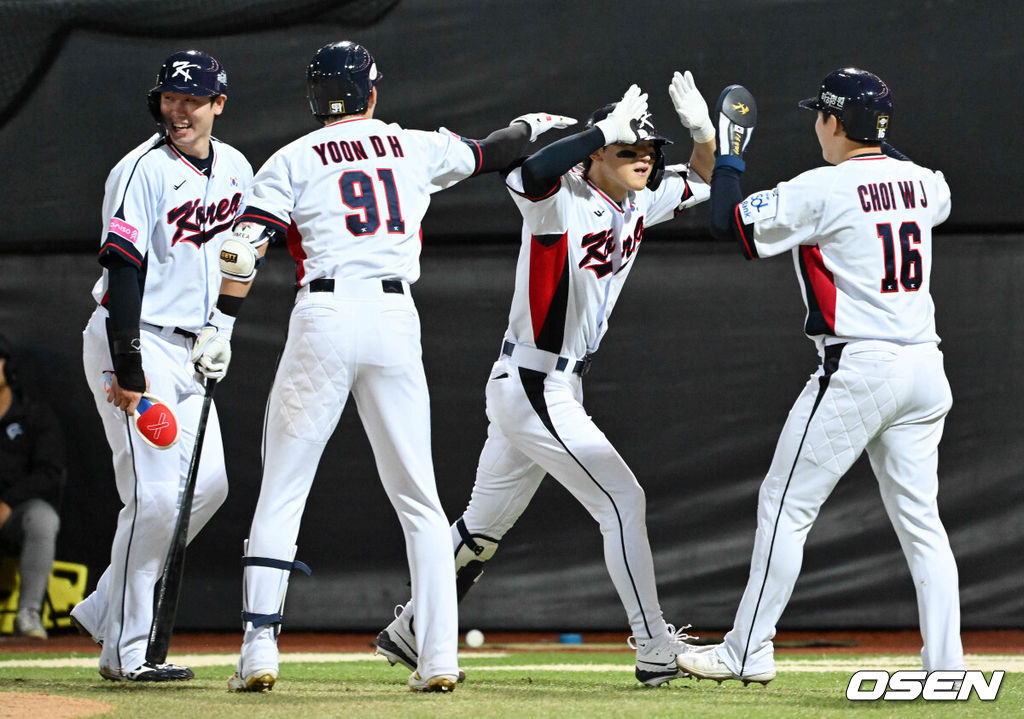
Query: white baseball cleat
x=260, y=680
x=436, y=683
x=257, y=663
x=708, y=665
x=656, y=660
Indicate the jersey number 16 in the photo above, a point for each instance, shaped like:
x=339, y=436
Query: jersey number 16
x=357, y=192
x=911, y=264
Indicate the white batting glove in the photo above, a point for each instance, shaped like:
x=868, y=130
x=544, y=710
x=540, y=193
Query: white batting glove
x=211, y=352
x=621, y=124
x=541, y=122
x=691, y=107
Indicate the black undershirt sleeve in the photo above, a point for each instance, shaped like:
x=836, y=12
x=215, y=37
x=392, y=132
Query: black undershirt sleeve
x=124, y=305
x=503, y=147
x=726, y=194
x=124, y=296
x=542, y=170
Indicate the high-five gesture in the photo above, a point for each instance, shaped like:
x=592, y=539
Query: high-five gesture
x=621, y=124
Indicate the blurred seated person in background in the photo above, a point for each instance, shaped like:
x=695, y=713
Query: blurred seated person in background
x=32, y=479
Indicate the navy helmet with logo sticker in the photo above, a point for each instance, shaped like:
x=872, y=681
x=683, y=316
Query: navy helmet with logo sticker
x=645, y=131
x=189, y=72
x=861, y=101
x=340, y=78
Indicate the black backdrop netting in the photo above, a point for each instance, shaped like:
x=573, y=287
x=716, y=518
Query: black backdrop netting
x=474, y=66
x=35, y=31
x=703, y=358
x=704, y=355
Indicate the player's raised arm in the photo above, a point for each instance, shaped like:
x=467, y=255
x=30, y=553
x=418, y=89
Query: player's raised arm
x=503, y=147
x=736, y=116
x=543, y=169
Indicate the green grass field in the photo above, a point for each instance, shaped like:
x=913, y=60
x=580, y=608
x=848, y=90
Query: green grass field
x=499, y=684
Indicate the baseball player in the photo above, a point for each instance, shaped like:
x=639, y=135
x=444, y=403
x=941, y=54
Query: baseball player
x=168, y=205
x=586, y=201
x=354, y=191
x=860, y=231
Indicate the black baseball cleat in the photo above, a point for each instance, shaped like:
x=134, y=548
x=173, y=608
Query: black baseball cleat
x=150, y=673
x=395, y=654
x=656, y=675
x=656, y=660
x=736, y=112
x=397, y=641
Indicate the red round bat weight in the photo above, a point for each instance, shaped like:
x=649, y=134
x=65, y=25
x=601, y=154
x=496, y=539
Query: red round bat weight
x=155, y=422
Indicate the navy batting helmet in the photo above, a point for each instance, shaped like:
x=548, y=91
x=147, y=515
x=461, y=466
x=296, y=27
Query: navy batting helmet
x=861, y=101
x=189, y=72
x=339, y=79
x=645, y=132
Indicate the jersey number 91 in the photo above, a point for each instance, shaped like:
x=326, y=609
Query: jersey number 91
x=358, y=193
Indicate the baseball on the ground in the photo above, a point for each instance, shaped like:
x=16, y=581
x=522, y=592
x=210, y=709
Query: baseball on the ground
x=475, y=638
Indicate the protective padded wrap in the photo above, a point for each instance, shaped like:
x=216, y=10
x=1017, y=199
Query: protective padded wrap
x=264, y=585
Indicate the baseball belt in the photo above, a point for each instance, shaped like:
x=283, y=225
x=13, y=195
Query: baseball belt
x=542, y=361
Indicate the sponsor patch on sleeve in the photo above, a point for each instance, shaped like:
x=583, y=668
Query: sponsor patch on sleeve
x=760, y=206
x=122, y=229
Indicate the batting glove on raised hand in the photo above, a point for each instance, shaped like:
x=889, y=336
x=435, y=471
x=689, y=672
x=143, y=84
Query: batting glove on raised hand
x=541, y=122
x=622, y=122
x=691, y=107
x=736, y=114
x=211, y=352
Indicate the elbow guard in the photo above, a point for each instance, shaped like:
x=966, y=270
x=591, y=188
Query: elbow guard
x=238, y=260
x=238, y=257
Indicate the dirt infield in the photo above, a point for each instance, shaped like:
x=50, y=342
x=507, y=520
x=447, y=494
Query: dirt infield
x=840, y=642
x=16, y=705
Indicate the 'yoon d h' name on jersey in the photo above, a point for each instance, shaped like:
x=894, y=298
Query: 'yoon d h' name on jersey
x=168, y=218
x=861, y=235
x=356, y=192
x=578, y=246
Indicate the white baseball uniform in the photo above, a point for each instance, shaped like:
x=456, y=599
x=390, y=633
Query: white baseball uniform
x=861, y=237
x=167, y=216
x=356, y=191
x=578, y=247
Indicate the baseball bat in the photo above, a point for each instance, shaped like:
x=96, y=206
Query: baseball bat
x=174, y=567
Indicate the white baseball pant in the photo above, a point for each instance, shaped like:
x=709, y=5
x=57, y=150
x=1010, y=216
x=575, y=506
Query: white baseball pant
x=890, y=400
x=538, y=426
x=361, y=340
x=149, y=483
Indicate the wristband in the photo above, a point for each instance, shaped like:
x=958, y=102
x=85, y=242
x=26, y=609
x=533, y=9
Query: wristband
x=704, y=133
x=126, y=352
